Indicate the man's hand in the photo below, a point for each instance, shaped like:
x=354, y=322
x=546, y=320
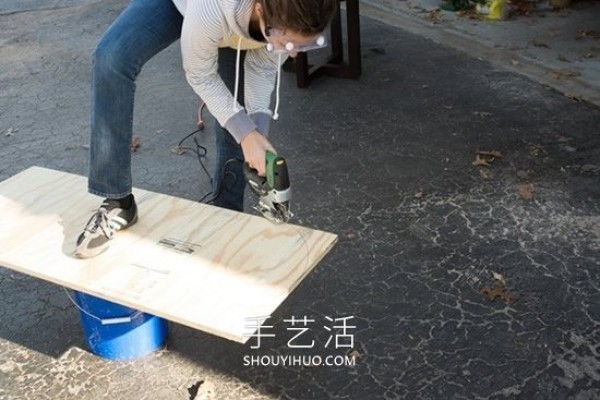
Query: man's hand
x=254, y=147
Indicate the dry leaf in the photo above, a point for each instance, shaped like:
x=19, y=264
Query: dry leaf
x=562, y=139
x=478, y=162
x=10, y=131
x=485, y=158
x=135, y=144
x=485, y=173
x=540, y=44
x=356, y=354
x=521, y=7
x=435, y=16
x=482, y=114
x=536, y=150
x=469, y=13
x=565, y=72
x=178, y=150
x=492, y=153
x=493, y=292
x=573, y=97
x=499, y=278
x=590, y=168
x=588, y=33
x=526, y=191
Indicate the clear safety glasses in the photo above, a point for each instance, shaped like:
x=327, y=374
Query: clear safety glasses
x=278, y=43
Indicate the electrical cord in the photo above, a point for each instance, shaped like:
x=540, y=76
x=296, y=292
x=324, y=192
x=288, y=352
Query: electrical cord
x=224, y=184
x=201, y=152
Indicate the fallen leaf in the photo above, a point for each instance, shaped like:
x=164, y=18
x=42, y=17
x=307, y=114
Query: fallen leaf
x=565, y=72
x=521, y=7
x=492, y=153
x=587, y=33
x=485, y=158
x=435, y=16
x=539, y=44
x=526, y=191
x=480, y=162
x=493, y=292
x=135, y=144
x=499, y=278
x=590, y=168
x=485, y=173
x=10, y=131
x=178, y=150
x=469, y=13
x=356, y=354
x=562, y=139
x=573, y=97
x=482, y=114
x=568, y=149
x=536, y=150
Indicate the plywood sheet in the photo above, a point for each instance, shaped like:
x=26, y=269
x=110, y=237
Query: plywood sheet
x=195, y=264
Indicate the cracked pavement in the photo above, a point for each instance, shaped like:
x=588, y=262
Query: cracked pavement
x=386, y=163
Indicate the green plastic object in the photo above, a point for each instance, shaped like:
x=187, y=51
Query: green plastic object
x=270, y=168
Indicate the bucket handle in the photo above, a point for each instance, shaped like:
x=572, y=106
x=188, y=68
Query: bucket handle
x=105, y=321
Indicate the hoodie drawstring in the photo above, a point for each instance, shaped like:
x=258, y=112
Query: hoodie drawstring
x=237, y=74
x=237, y=80
x=276, y=114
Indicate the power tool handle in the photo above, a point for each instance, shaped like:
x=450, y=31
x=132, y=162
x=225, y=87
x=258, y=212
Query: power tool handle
x=256, y=181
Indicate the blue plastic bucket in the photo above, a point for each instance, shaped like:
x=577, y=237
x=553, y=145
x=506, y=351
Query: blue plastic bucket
x=117, y=332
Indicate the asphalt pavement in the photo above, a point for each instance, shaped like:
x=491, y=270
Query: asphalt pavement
x=465, y=195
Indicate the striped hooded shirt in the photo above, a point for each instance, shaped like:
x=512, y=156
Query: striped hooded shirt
x=208, y=25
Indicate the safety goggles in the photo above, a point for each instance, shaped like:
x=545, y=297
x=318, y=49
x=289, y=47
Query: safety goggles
x=278, y=43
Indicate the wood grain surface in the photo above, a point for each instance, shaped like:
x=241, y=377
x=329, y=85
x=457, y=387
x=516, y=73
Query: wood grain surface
x=191, y=263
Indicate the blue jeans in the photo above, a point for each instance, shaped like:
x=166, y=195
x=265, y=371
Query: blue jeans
x=145, y=28
x=228, y=181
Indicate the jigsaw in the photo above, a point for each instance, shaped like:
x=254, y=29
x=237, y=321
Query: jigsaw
x=273, y=190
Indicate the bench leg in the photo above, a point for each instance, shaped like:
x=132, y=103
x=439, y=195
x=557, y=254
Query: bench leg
x=334, y=65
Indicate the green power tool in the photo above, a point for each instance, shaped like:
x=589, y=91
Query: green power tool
x=274, y=190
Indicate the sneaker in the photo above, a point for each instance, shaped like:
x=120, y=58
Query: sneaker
x=101, y=228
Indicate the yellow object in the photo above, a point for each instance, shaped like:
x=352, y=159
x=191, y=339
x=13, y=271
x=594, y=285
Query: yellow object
x=246, y=44
x=493, y=9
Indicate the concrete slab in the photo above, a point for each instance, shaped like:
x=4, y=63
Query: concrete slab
x=558, y=48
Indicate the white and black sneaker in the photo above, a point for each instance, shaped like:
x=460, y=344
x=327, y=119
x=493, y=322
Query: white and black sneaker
x=101, y=228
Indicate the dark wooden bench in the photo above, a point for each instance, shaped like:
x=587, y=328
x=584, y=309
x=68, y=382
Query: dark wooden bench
x=335, y=65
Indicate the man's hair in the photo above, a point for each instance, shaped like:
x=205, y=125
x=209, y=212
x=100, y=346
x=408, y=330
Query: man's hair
x=307, y=17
